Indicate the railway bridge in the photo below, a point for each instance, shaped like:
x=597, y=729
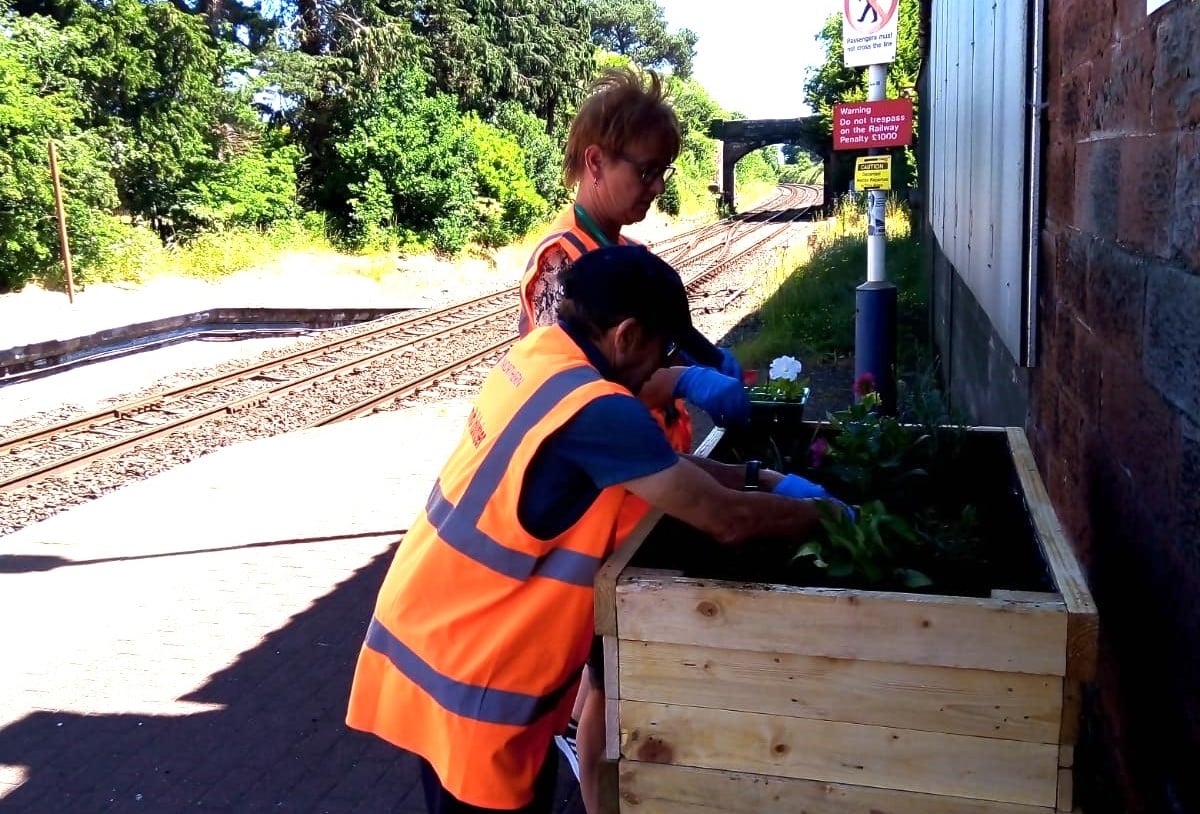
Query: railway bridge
x=737, y=138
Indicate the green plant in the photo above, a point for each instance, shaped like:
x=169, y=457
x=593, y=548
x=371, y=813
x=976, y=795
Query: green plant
x=872, y=454
x=784, y=382
x=868, y=548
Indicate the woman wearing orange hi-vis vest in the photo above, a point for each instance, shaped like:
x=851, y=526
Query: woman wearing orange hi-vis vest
x=618, y=157
x=485, y=618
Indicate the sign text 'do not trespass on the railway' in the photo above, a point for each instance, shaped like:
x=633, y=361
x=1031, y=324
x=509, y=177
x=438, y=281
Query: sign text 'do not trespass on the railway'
x=860, y=125
x=869, y=31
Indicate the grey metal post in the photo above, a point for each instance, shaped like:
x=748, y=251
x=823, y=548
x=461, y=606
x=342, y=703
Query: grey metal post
x=875, y=300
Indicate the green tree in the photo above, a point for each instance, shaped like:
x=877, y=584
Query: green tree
x=35, y=108
x=638, y=29
x=507, y=204
x=412, y=150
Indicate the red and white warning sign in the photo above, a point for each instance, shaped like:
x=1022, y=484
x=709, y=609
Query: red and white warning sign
x=859, y=125
x=869, y=31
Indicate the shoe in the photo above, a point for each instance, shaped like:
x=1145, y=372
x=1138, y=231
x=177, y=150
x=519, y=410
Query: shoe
x=566, y=744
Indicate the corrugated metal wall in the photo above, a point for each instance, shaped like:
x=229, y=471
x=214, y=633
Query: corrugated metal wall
x=977, y=153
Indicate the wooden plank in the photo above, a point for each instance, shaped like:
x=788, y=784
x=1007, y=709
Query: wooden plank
x=612, y=693
x=1025, y=596
x=649, y=788
x=880, y=757
x=608, y=787
x=985, y=703
x=1066, y=790
x=605, y=600
x=1066, y=755
x=1083, y=625
x=612, y=655
x=1072, y=711
x=900, y=628
x=613, y=735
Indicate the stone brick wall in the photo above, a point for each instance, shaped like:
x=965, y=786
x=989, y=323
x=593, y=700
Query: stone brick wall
x=1115, y=399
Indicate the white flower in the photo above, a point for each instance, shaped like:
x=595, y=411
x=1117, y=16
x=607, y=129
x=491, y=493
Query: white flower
x=785, y=367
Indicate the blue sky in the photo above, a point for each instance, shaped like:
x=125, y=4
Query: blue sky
x=752, y=55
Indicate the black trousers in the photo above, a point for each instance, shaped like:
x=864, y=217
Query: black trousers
x=440, y=801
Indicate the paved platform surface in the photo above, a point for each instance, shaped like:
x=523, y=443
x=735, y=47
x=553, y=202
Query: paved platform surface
x=187, y=643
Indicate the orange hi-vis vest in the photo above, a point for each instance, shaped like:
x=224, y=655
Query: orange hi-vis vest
x=480, y=631
x=569, y=235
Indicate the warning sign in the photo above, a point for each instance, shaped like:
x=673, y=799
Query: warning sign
x=860, y=125
x=873, y=172
x=869, y=31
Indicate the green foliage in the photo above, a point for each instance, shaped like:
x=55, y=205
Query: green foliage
x=541, y=155
x=34, y=110
x=507, y=203
x=813, y=309
x=697, y=161
x=149, y=76
x=668, y=202
x=638, y=29
x=873, y=455
x=255, y=188
x=867, y=550
x=759, y=165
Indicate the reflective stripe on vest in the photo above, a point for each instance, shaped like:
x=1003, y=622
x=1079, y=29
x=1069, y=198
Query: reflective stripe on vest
x=486, y=704
x=457, y=525
x=480, y=628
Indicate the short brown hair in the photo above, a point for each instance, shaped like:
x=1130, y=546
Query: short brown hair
x=622, y=106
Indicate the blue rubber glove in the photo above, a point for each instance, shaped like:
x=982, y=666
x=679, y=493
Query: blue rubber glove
x=722, y=397
x=801, y=489
x=729, y=365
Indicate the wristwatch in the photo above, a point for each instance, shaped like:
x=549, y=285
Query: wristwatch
x=751, y=482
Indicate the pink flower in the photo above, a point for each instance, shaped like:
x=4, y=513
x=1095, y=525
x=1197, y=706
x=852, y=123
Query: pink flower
x=864, y=384
x=749, y=377
x=818, y=450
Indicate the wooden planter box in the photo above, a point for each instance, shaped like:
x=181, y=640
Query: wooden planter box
x=751, y=697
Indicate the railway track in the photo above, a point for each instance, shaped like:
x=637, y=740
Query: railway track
x=386, y=361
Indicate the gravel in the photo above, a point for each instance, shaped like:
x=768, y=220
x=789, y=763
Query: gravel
x=157, y=370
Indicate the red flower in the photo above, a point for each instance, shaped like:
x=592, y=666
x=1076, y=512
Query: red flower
x=749, y=377
x=818, y=450
x=864, y=384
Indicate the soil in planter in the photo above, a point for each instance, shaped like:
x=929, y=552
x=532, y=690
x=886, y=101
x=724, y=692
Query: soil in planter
x=1006, y=556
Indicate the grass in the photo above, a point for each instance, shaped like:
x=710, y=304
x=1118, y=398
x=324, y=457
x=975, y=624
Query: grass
x=808, y=298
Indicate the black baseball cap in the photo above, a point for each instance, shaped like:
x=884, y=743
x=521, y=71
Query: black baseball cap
x=618, y=282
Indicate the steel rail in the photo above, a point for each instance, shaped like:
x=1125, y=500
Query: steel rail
x=80, y=459
x=411, y=387
x=93, y=422
x=14, y=445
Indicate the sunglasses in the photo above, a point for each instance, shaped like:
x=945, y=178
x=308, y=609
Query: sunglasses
x=647, y=172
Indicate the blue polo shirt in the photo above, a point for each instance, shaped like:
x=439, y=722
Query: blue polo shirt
x=611, y=440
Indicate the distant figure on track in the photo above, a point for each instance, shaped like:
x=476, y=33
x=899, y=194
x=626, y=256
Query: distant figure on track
x=619, y=155
x=485, y=618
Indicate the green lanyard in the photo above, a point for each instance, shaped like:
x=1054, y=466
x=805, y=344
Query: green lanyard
x=590, y=227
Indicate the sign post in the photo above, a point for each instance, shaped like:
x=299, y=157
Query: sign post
x=869, y=30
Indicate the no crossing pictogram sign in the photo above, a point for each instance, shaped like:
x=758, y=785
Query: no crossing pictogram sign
x=869, y=31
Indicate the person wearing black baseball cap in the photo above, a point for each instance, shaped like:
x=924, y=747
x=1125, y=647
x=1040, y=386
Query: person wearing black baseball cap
x=521, y=517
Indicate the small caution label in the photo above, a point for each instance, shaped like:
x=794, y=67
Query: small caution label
x=873, y=172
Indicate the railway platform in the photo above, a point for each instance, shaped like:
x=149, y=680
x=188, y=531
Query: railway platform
x=186, y=643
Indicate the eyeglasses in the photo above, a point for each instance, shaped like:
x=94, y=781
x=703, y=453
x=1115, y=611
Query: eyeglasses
x=647, y=172
x=669, y=351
